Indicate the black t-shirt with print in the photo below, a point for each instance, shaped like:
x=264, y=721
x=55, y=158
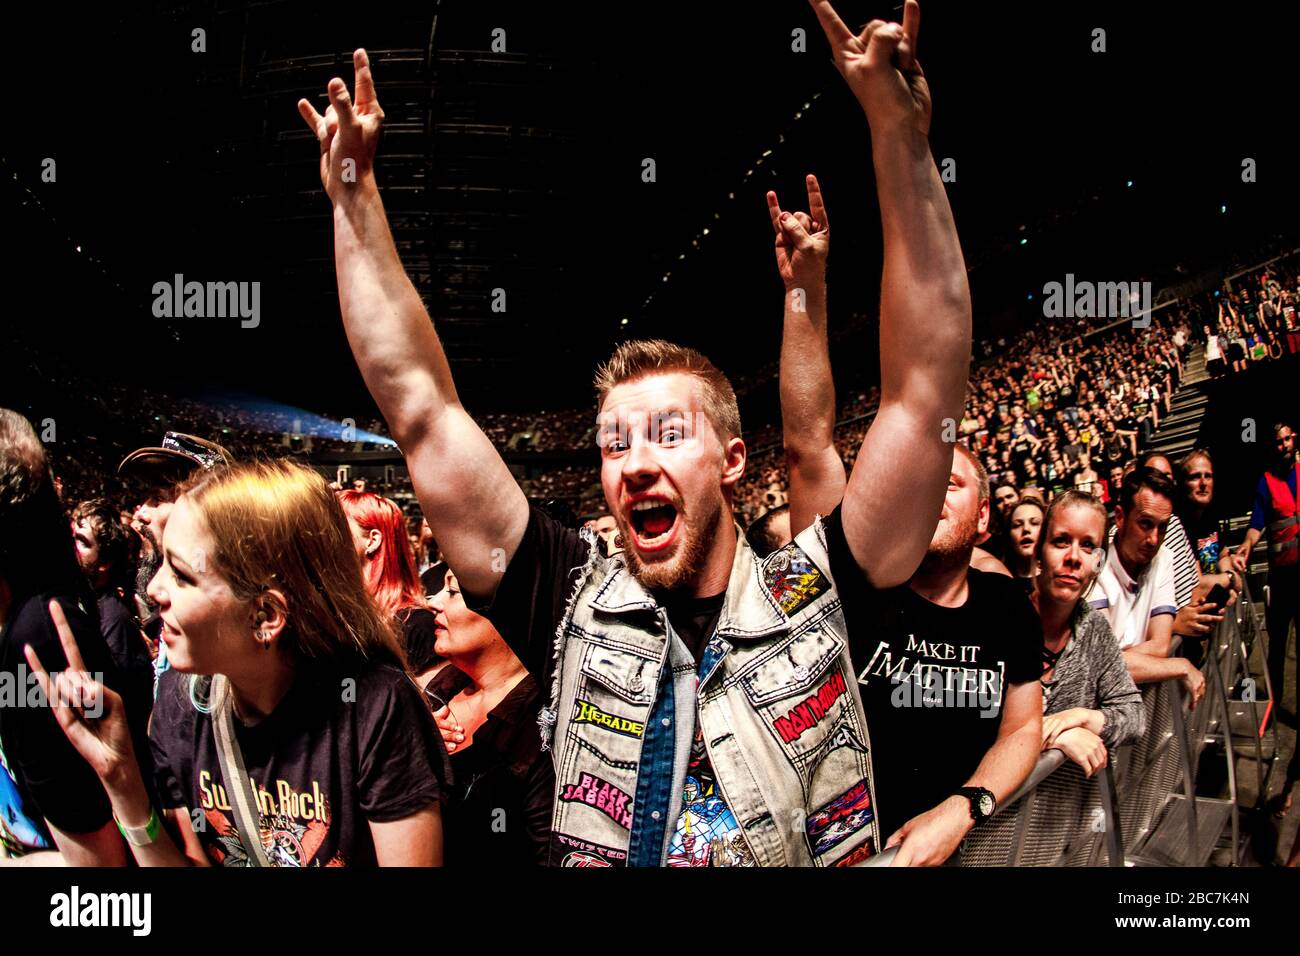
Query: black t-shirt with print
x=1203, y=534
x=336, y=754
x=962, y=658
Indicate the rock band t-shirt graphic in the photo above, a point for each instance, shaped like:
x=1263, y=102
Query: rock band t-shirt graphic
x=329, y=760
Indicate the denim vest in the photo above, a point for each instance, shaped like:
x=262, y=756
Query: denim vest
x=774, y=693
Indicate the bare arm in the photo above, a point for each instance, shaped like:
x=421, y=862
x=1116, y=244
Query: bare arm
x=1158, y=638
x=104, y=741
x=1150, y=662
x=1012, y=757
x=901, y=473
x=817, y=476
x=1240, y=558
x=412, y=841
x=932, y=837
x=473, y=505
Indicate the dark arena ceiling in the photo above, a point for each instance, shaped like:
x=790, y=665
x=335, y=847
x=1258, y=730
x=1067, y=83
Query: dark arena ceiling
x=521, y=169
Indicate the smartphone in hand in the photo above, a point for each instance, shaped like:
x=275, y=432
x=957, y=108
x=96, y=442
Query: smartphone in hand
x=1218, y=596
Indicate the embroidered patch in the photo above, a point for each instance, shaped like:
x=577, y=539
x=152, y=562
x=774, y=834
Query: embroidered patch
x=846, y=737
x=575, y=852
x=810, y=711
x=602, y=795
x=864, y=852
x=589, y=713
x=792, y=579
x=842, y=817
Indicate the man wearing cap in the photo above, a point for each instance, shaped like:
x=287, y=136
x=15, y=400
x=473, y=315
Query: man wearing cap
x=155, y=473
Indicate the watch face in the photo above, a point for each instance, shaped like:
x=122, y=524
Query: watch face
x=986, y=804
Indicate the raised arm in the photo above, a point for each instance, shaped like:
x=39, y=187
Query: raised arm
x=817, y=476
x=897, y=487
x=473, y=505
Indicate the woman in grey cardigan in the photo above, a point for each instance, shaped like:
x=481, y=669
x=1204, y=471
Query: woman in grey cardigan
x=1091, y=704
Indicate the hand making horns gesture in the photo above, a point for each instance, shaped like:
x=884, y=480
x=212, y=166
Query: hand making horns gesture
x=880, y=66
x=348, y=132
x=92, y=716
x=803, y=240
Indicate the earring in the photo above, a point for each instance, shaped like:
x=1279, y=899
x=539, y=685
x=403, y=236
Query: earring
x=265, y=638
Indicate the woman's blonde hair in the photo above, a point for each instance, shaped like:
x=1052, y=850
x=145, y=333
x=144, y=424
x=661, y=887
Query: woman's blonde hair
x=278, y=525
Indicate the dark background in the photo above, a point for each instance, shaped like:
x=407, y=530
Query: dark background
x=522, y=170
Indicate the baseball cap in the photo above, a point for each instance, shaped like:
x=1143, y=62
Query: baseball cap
x=178, y=457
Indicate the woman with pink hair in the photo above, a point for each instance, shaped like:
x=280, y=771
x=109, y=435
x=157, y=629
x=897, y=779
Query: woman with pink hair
x=388, y=564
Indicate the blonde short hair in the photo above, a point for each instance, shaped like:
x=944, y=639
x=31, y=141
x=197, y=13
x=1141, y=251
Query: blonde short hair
x=644, y=357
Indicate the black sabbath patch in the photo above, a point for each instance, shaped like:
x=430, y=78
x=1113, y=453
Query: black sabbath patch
x=792, y=578
x=601, y=794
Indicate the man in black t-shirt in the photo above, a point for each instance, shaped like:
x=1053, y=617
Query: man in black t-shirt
x=949, y=667
x=671, y=456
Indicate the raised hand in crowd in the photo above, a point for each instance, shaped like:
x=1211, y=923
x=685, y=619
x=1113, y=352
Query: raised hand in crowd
x=94, y=719
x=348, y=132
x=900, y=475
x=817, y=476
x=881, y=68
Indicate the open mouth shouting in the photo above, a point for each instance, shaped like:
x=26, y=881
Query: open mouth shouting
x=654, y=521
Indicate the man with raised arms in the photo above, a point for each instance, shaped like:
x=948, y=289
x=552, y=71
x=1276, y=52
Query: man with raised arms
x=735, y=732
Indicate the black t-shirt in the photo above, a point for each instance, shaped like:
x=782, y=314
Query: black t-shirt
x=532, y=594
x=1203, y=534
x=529, y=605
x=126, y=645
x=418, y=636
x=498, y=808
x=42, y=777
x=329, y=759
x=963, y=657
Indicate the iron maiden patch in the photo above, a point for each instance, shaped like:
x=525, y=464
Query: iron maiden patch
x=808, y=713
x=792, y=579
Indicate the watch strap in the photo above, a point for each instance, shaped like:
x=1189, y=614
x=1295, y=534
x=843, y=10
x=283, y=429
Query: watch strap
x=975, y=795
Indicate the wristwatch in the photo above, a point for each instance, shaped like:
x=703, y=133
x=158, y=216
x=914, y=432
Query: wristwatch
x=982, y=803
x=141, y=836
